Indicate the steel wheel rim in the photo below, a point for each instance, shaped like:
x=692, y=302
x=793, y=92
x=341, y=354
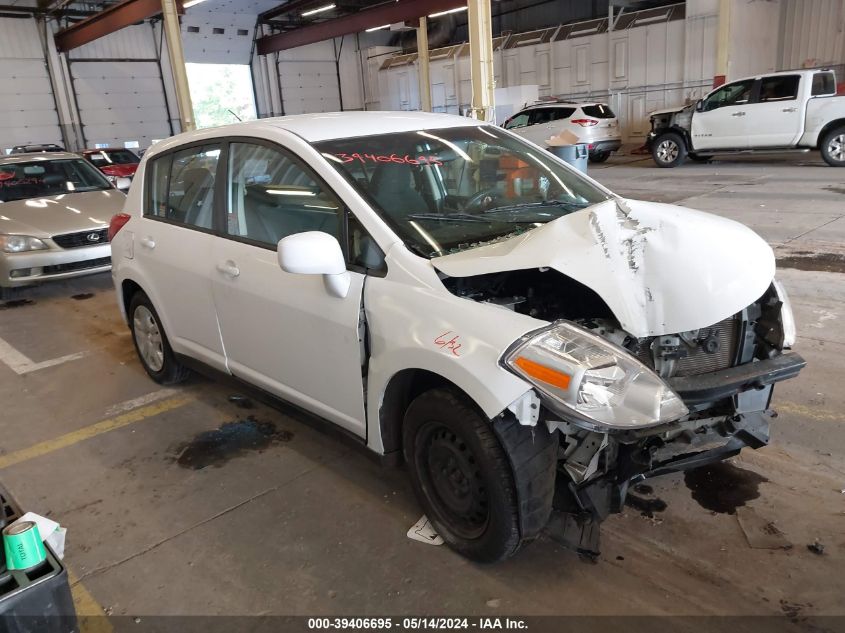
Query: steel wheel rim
x=667, y=151
x=452, y=480
x=836, y=148
x=148, y=338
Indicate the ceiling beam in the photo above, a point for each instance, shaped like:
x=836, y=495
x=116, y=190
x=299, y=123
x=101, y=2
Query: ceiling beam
x=290, y=5
x=108, y=21
x=399, y=11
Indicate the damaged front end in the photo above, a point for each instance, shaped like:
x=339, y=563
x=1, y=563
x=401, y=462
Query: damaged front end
x=625, y=408
x=689, y=399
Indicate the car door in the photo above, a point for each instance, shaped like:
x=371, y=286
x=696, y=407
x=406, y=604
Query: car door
x=173, y=246
x=541, y=125
x=776, y=117
x=720, y=119
x=284, y=332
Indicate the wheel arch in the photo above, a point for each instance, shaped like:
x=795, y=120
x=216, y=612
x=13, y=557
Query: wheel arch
x=827, y=128
x=402, y=388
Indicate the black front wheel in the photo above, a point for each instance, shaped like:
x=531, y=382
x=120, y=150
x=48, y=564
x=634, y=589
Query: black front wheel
x=668, y=150
x=599, y=157
x=462, y=476
x=833, y=147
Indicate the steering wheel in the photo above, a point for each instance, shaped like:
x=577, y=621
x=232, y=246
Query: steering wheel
x=483, y=200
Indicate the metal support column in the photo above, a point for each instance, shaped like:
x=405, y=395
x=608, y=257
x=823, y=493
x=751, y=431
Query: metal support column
x=177, y=64
x=481, y=59
x=424, y=69
x=723, y=44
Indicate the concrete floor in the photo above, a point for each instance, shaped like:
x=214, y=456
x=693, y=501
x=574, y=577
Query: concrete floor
x=299, y=522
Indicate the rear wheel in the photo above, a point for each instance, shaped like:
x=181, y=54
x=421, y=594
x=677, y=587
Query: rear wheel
x=461, y=476
x=599, y=157
x=833, y=147
x=151, y=342
x=669, y=150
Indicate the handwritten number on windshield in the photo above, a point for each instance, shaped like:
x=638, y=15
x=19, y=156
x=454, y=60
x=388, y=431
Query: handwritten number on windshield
x=393, y=158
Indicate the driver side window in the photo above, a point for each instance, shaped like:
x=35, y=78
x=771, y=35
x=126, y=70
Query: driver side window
x=737, y=93
x=520, y=120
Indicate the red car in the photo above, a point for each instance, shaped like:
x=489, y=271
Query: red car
x=114, y=162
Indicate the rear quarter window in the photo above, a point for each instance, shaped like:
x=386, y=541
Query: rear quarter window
x=598, y=111
x=823, y=84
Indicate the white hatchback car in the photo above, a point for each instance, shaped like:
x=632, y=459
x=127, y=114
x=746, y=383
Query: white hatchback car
x=442, y=291
x=593, y=123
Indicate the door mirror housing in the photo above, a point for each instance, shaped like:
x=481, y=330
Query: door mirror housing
x=123, y=183
x=315, y=253
x=699, y=106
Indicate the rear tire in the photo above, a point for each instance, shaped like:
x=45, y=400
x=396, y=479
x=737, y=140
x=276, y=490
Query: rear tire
x=832, y=147
x=669, y=150
x=462, y=476
x=599, y=157
x=151, y=342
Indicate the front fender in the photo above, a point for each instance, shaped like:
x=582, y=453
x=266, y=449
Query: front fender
x=430, y=329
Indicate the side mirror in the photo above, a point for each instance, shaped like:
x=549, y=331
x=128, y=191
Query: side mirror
x=123, y=183
x=315, y=253
x=699, y=107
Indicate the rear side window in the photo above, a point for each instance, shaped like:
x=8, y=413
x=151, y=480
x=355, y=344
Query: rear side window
x=182, y=186
x=519, y=120
x=823, y=84
x=779, y=88
x=598, y=111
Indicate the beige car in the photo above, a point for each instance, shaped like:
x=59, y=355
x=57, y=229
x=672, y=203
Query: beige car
x=54, y=214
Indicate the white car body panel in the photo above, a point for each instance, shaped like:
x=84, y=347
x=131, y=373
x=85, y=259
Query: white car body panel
x=661, y=269
x=821, y=110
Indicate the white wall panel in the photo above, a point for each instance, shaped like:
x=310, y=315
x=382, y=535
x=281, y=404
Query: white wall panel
x=27, y=108
x=813, y=33
x=133, y=42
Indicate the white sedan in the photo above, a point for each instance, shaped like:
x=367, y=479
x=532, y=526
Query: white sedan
x=446, y=292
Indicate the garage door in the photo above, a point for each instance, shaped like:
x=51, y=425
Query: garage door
x=27, y=108
x=120, y=101
x=308, y=76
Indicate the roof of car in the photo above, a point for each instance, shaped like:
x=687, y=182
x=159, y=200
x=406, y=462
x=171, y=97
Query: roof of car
x=105, y=149
x=11, y=159
x=327, y=125
x=563, y=104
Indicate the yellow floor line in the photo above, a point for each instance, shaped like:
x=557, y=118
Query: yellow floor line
x=87, y=432
x=808, y=412
x=89, y=612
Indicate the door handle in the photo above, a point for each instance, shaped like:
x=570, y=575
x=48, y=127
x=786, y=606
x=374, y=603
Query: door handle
x=229, y=269
x=738, y=114
x=790, y=110
x=148, y=242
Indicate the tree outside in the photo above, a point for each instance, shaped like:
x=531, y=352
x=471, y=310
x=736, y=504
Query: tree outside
x=221, y=93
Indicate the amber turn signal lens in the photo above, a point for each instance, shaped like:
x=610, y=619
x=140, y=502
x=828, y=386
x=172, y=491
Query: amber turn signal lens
x=543, y=373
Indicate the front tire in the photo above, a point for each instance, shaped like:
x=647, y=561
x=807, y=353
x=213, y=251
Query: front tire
x=833, y=147
x=151, y=342
x=461, y=476
x=669, y=150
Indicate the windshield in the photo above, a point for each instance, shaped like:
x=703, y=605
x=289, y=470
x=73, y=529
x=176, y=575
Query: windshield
x=40, y=178
x=113, y=157
x=451, y=189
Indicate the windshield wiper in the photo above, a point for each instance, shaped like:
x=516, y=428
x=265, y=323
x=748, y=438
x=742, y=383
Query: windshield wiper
x=530, y=206
x=448, y=217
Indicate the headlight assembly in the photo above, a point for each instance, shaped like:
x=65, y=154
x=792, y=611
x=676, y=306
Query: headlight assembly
x=20, y=243
x=787, y=319
x=588, y=379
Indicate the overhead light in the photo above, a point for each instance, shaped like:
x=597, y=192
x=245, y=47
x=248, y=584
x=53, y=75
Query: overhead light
x=378, y=28
x=191, y=3
x=439, y=13
x=328, y=7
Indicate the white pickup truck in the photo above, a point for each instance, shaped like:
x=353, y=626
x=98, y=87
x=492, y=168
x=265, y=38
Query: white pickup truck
x=790, y=110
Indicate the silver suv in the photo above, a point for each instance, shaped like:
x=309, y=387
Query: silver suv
x=593, y=123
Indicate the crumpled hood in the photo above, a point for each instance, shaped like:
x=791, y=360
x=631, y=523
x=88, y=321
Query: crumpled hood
x=661, y=268
x=64, y=213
